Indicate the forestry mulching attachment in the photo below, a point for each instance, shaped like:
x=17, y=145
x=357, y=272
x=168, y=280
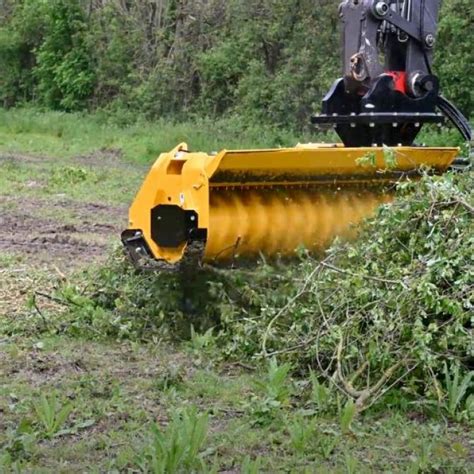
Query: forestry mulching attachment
x=239, y=204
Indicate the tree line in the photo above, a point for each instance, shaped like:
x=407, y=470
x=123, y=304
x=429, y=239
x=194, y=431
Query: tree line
x=268, y=60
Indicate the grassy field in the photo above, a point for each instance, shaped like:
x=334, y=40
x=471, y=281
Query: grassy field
x=76, y=404
x=59, y=134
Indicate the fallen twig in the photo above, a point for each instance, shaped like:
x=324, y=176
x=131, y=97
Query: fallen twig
x=56, y=300
x=362, y=396
x=368, y=277
x=466, y=205
x=38, y=310
x=282, y=310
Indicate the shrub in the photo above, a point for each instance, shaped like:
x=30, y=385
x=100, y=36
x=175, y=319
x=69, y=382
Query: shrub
x=64, y=73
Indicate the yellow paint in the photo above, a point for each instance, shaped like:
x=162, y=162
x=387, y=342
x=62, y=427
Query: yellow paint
x=272, y=200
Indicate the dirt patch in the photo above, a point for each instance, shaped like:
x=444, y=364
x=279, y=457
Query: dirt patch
x=41, y=368
x=25, y=231
x=105, y=158
x=102, y=157
x=22, y=158
x=109, y=158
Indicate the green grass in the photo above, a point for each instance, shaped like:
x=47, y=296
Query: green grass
x=53, y=179
x=65, y=135
x=103, y=414
x=59, y=134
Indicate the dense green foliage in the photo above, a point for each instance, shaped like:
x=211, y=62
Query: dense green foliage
x=269, y=60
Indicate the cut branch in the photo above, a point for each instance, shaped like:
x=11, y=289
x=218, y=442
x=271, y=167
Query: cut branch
x=362, y=397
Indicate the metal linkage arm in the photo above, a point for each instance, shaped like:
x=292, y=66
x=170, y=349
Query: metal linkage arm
x=404, y=30
x=387, y=101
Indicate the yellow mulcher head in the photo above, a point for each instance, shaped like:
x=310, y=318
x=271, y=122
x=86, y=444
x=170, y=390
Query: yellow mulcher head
x=240, y=204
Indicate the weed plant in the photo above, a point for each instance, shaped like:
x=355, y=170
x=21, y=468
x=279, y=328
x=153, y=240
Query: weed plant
x=178, y=447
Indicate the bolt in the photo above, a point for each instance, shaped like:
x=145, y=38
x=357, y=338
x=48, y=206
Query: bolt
x=430, y=40
x=381, y=8
x=402, y=37
x=428, y=86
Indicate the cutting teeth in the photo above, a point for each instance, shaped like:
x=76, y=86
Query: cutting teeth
x=279, y=221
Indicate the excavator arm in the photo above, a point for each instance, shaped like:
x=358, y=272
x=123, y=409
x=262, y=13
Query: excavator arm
x=387, y=102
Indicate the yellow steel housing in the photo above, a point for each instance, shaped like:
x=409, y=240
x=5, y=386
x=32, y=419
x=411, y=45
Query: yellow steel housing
x=345, y=184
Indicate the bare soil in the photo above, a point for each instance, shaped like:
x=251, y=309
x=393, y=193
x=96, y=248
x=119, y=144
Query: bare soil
x=25, y=232
x=34, y=228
